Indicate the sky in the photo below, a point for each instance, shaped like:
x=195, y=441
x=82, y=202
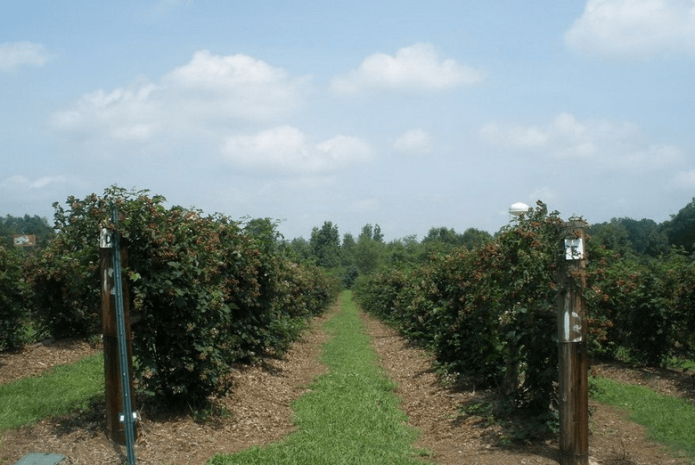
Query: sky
x=407, y=114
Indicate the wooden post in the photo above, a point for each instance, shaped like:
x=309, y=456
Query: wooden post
x=572, y=346
x=114, y=394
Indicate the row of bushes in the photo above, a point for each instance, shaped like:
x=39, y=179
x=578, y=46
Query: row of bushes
x=490, y=314
x=206, y=292
x=641, y=309
x=13, y=292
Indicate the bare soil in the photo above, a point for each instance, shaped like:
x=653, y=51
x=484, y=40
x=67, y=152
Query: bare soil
x=258, y=412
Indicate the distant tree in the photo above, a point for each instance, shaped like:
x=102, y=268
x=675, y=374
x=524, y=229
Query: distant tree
x=680, y=229
x=613, y=236
x=11, y=226
x=264, y=230
x=325, y=245
x=367, y=254
x=443, y=235
x=440, y=241
x=378, y=235
x=348, y=249
x=301, y=249
x=646, y=237
x=367, y=231
x=404, y=253
x=473, y=238
x=628, y=236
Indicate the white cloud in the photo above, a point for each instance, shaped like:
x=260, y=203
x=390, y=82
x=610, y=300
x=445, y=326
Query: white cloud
x=417, y=67
x=517, y=136
x=13, y=55
x=607, y=144
x=415, y=141
x=287, y=149
x=122, y=114
x=634, y=28
x=205, y=95
x=18, y=182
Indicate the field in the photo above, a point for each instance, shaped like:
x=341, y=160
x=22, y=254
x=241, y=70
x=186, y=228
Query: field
x=259, y=411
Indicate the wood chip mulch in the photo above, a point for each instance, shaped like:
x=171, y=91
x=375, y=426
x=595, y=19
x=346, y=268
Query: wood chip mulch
x=36, y=358
x=463, y=439
x=259, y=413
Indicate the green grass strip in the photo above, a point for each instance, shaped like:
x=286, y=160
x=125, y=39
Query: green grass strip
x=669, y=420
x=351, y=416
x=62, y=390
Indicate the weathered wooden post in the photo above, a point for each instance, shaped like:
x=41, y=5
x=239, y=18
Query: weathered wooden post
x=572, y=346
x=114, y=390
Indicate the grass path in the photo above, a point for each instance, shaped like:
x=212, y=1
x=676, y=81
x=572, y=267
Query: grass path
x=351, y=415
x=59, y=391
x=669, y=420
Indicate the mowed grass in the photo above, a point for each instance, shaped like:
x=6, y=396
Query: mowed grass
x=669, y=420
x=351, y=415
x=60, y=391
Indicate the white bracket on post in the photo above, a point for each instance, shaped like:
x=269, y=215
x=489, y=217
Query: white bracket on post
x=106, y=239
x=574, y=249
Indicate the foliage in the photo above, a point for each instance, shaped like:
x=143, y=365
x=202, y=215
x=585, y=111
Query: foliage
x=13, y=295
x=680, y=229
x=325, y=245
x=64, y=275
x=628, y=237
x=207, y=291
x=488, y=313
x=11, y=226
x=442, y=240
x=643, y=306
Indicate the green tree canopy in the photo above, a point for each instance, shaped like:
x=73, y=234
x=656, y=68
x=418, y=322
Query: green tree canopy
x=15, y=225
x=680, y=229
x=325, y=245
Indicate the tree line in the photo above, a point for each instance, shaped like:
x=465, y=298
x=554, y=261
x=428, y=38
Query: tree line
x=349, y=257
x=11, y=226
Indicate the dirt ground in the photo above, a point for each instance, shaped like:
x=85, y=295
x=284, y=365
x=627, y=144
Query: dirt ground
x=258, y=412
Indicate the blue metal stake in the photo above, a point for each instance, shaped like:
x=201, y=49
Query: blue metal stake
x=127, y=415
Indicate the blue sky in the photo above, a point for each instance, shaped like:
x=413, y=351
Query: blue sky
x=407, y=114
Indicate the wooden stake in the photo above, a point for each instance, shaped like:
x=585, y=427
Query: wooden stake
x=114, y=394
x=572, y=347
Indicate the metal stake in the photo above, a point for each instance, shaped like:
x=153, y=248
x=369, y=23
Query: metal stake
x=127, y=415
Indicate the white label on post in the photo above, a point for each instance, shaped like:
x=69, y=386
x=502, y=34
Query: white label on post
x=106, y=239
x=574, y=249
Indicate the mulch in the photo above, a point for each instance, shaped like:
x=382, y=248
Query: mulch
x=258, y=412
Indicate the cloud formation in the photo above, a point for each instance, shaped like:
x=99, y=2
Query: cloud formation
x=417, y=67
x=611, y=145
x=14, y=55
x=634, y=28
x=23, y=183
x=415, y=142
x=286, y=149
x=207, y=94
